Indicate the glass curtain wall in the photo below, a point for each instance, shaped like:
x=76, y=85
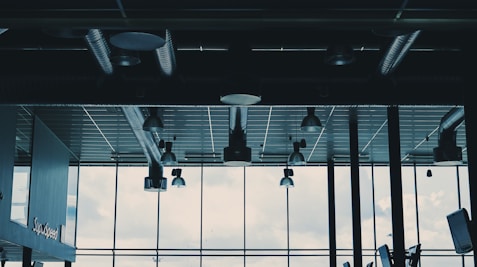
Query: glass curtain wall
x=240, y=216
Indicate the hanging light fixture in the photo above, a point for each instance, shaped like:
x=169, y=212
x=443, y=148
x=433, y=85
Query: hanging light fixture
x=310, y=123
x=296, y=157
x=429, y=173
x=287, y=181
x=168, y=158
x=178, y=181
x=153, y=123
x=447, y=152
x=155, y=182
x=339, y=55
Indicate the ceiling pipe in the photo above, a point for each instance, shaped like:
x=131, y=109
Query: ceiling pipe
x=237, y=153
x=100, y=49
x=165, y=55
x=447, y=152
x=396, y=52
x=155, y=181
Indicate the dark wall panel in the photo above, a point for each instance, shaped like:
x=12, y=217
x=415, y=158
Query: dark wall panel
x=7, y=153
x=49, y=178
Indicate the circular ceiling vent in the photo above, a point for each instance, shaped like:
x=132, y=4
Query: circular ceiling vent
x=136, y=41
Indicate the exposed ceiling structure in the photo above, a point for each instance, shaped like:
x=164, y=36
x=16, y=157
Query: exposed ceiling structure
x=77, y=65
x=103, y=134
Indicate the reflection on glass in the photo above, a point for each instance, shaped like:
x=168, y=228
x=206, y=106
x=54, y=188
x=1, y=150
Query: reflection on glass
x=20, y=194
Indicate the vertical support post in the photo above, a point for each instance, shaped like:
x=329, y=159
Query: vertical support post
x=470, y=122
x=332, y=212
x=355, y=194
x=394, y=143
x=26, y=257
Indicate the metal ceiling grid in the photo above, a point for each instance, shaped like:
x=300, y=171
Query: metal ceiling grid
x=95, y=134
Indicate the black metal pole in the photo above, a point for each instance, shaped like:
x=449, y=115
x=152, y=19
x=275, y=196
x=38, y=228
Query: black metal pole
x=396, y=186
x=355, y=194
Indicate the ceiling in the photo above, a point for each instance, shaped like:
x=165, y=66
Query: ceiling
x=199, y=134
x=274, y=49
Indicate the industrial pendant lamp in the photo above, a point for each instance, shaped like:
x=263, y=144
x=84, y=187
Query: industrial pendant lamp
x=429, y=173
x=447, y=152
x=153, y=123
x=310, y=123
x=287, y=181
x=178, y=181
x=339, y=55
x=296, y=157
x=168, y=158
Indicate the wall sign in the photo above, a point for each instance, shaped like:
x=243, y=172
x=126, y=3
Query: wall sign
x=44, y=230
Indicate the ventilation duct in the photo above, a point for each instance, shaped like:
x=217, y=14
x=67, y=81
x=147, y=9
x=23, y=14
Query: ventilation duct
x=237, y=153
x=165, y=56
x=241, y=85
x=100, y=49
x=396, y=52
x=155, y=181
x=2, y=30
x=447, y=152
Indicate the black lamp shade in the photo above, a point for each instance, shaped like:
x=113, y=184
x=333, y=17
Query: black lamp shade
x=311, y=123
x=153, y=123
x=178, y=182
x=287, y=181
x=296, y=157
x=168, y=158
